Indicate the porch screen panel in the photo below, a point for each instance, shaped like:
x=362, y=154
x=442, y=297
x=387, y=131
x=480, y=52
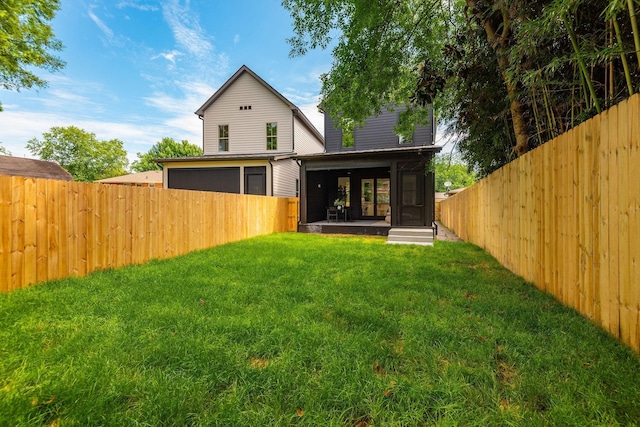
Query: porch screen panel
x=224, y=180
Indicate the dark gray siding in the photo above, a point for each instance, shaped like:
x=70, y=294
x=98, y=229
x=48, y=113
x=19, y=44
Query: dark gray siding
x=377, y=133
x=224, y=180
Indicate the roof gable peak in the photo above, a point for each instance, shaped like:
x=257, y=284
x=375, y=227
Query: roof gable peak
x=242, y=70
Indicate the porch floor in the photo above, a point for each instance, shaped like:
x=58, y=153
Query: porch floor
x=364, y=227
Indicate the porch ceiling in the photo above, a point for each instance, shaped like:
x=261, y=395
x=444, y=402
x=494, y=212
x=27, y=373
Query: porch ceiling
x=398, y=152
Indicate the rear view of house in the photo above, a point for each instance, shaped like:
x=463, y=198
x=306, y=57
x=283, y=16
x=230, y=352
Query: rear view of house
x=251, y=134
x=378, y=181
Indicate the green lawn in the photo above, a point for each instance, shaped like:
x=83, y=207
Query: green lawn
x=311, y=330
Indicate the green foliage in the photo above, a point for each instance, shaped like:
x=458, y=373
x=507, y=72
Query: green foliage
x=165, y=149
x=449, y=168
x=80, y=153
x=4, y=151
x=507, y=75
x=376, y=49
x=26, y=39
x=299, y=329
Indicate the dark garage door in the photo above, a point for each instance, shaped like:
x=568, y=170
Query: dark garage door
x=224, y=180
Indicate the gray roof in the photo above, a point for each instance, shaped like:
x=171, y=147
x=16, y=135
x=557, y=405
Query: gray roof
x=32, y=168
x=218, y=157
x=244, y=69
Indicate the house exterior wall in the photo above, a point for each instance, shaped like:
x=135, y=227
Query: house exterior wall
x=285, y=174
x=247, y=128
x=377, y=133
x=220, y=164
x=304, y=141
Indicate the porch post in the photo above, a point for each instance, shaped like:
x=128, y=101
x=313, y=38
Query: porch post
x=394, y=186
x=303, y=193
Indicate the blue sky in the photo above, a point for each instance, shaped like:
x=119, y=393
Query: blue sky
x=138, y=69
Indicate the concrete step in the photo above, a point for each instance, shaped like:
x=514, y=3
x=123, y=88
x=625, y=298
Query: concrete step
x=411, y=236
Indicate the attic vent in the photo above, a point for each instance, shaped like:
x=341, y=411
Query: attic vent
x=245, y=107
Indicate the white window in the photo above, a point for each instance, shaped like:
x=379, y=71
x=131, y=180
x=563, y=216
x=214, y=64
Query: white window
x=272, y=136
x=223, y=137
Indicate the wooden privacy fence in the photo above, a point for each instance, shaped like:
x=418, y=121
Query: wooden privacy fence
x=55, y=229
x=566, y=216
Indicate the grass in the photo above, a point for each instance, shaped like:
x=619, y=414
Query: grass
x=294, y=329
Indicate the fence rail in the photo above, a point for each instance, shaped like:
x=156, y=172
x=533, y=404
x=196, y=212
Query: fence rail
x=55, y=229
x=566, y=216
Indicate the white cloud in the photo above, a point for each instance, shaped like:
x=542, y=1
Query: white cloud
x=315, y=117
x=103, y=27
x=236, y=39
x=20, y=126
x=139, y=6
x=186, y=28
x=169, y=56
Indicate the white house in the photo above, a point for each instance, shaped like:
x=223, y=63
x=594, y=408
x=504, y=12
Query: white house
x=251, y=134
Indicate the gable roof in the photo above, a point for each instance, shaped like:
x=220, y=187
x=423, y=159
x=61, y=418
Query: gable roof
x=244, y=69
x=150, y=177
x=32, y=168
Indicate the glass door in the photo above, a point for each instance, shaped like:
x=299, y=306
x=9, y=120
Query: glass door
x=374, y=200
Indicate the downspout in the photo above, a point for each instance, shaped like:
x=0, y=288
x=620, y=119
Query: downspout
x=271, y=168
x=293, y=129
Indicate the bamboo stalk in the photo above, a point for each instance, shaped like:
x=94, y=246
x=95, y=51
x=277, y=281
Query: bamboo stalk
x=634, y=27
x=581, y=64
x=623, y=58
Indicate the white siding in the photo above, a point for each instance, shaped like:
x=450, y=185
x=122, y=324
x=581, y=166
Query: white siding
x=285, y=173
x=305, y=141
x=247, y=128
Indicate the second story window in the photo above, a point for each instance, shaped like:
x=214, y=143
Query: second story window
x=348, y=136
x=223, y=137
x=272, y=136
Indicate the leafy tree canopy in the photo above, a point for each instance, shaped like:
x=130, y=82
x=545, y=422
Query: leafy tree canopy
x=377, y=47
x=165, y=149
x=4, y=151
x=80, y=153
x=26, y=40
x=508, y=75
x=450, y=168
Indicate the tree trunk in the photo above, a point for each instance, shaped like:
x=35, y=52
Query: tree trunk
x=498, y=43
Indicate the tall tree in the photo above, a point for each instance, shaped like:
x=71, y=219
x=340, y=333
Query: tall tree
x=26, y=41
x=508, y=75
x=80, y=153
x=376, y=49
x=449, y=168
x=164, y=149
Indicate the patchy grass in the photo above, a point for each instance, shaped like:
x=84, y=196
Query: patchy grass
x=311, y=330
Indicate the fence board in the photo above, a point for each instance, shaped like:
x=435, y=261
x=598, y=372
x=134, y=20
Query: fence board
x=42, y=243
x=5, y=232
x=17, y=232
x=30, y=232
x=634, y=222
x=567, y=217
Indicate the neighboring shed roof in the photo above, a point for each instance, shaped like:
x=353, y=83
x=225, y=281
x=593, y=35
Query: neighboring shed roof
x=32, y=168
x=150, y=177
x=244, y=69
x=455, y=191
